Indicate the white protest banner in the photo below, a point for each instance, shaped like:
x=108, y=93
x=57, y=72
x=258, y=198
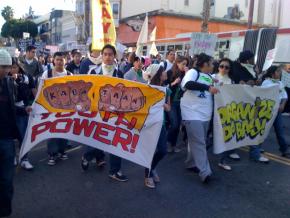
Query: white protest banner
x=118, y=116
x=285, y=79
x=243, y=115
x=269, y=59
x=203, y=43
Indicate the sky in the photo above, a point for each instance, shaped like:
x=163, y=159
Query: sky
x=40, y=7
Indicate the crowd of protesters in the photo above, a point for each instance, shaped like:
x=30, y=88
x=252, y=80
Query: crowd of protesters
x=191, y=83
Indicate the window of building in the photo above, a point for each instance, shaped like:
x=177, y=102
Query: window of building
x=115, y=9
x=186, y=2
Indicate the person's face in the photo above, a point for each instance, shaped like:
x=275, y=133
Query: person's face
x=224, y=68
x=171, y=56
x=163, y=77
x=182, y=65
x=77, y=58
x=59, y=62
x=108, y=56
x=4, y=70
x=251, y=61
x=158, y=57
x=49, y=59
x=208, y=67
x=277, y=74
x=31, y=54
x=14, y=69
x=137, y=65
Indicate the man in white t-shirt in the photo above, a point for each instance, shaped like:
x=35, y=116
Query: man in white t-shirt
x=170, y=58
x=55, y=146
x=59, y=67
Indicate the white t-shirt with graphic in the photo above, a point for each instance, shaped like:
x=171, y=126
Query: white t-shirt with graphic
x=196, y=105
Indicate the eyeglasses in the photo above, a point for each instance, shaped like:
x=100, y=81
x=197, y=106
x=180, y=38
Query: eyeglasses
x=224, y=67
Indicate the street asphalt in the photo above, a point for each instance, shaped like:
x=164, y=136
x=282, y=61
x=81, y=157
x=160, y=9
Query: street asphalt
x=251, y=189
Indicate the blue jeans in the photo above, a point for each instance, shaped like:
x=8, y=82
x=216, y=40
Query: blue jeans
x=115, y=164
x=255, y=152
x=160, y=152
x=21, y=123
x=175, y=120
x=7, y=154
x=55, y=146
x=278, y=127
x=91, y=153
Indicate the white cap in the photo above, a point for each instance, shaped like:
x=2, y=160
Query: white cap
x=5, y=58
x=151, y=71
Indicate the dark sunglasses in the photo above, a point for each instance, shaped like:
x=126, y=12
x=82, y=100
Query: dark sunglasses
x=224, y=67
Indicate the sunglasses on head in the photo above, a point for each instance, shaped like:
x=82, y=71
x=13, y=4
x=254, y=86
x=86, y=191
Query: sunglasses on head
x=224, y=67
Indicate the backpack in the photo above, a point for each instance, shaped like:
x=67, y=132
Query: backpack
x=49, y=73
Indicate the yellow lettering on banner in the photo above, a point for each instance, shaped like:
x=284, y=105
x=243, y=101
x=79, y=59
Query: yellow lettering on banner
x=242, y=120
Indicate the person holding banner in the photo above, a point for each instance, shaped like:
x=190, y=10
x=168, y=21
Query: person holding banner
x=156, y=75
x=273, y=77
x=196, y=110
x=8, y=132
x=107, y=68
x=223, y=77
x=56, y=147
x=244, y=73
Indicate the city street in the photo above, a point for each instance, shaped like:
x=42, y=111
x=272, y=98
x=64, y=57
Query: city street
x=249, y=190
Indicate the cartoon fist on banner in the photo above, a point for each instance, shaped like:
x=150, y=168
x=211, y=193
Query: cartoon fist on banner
x=70, y=95
x=121, y=98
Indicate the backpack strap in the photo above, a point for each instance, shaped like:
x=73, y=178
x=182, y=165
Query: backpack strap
x=165, y=65
x=49, y=73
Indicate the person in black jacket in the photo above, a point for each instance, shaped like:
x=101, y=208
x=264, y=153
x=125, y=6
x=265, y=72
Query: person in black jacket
x=74, y=65
x=8, y=132
x=175, y=76
x=25, y=96
x=244, y=73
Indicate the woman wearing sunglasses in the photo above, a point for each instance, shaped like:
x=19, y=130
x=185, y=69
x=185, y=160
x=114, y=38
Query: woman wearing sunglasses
x=223, y=77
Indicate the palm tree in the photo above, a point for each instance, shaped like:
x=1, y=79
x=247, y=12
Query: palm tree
x=7, y=13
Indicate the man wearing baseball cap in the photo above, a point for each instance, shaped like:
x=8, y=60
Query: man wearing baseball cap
x=8, y=132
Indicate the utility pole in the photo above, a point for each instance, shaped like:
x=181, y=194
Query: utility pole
x=205, y=15
x=251, y=12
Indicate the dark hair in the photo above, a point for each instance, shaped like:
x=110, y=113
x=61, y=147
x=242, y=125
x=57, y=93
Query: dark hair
x=30, y=48
x=202, y=59
x=170, y=50
x=156, y=78
x=58, y=54
x=175, y=71
x=230, y=63
x=136, y=59
x=270, y=72
x=108, y=46
x=15, y=61
x=131, y=57
x=75, y=51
